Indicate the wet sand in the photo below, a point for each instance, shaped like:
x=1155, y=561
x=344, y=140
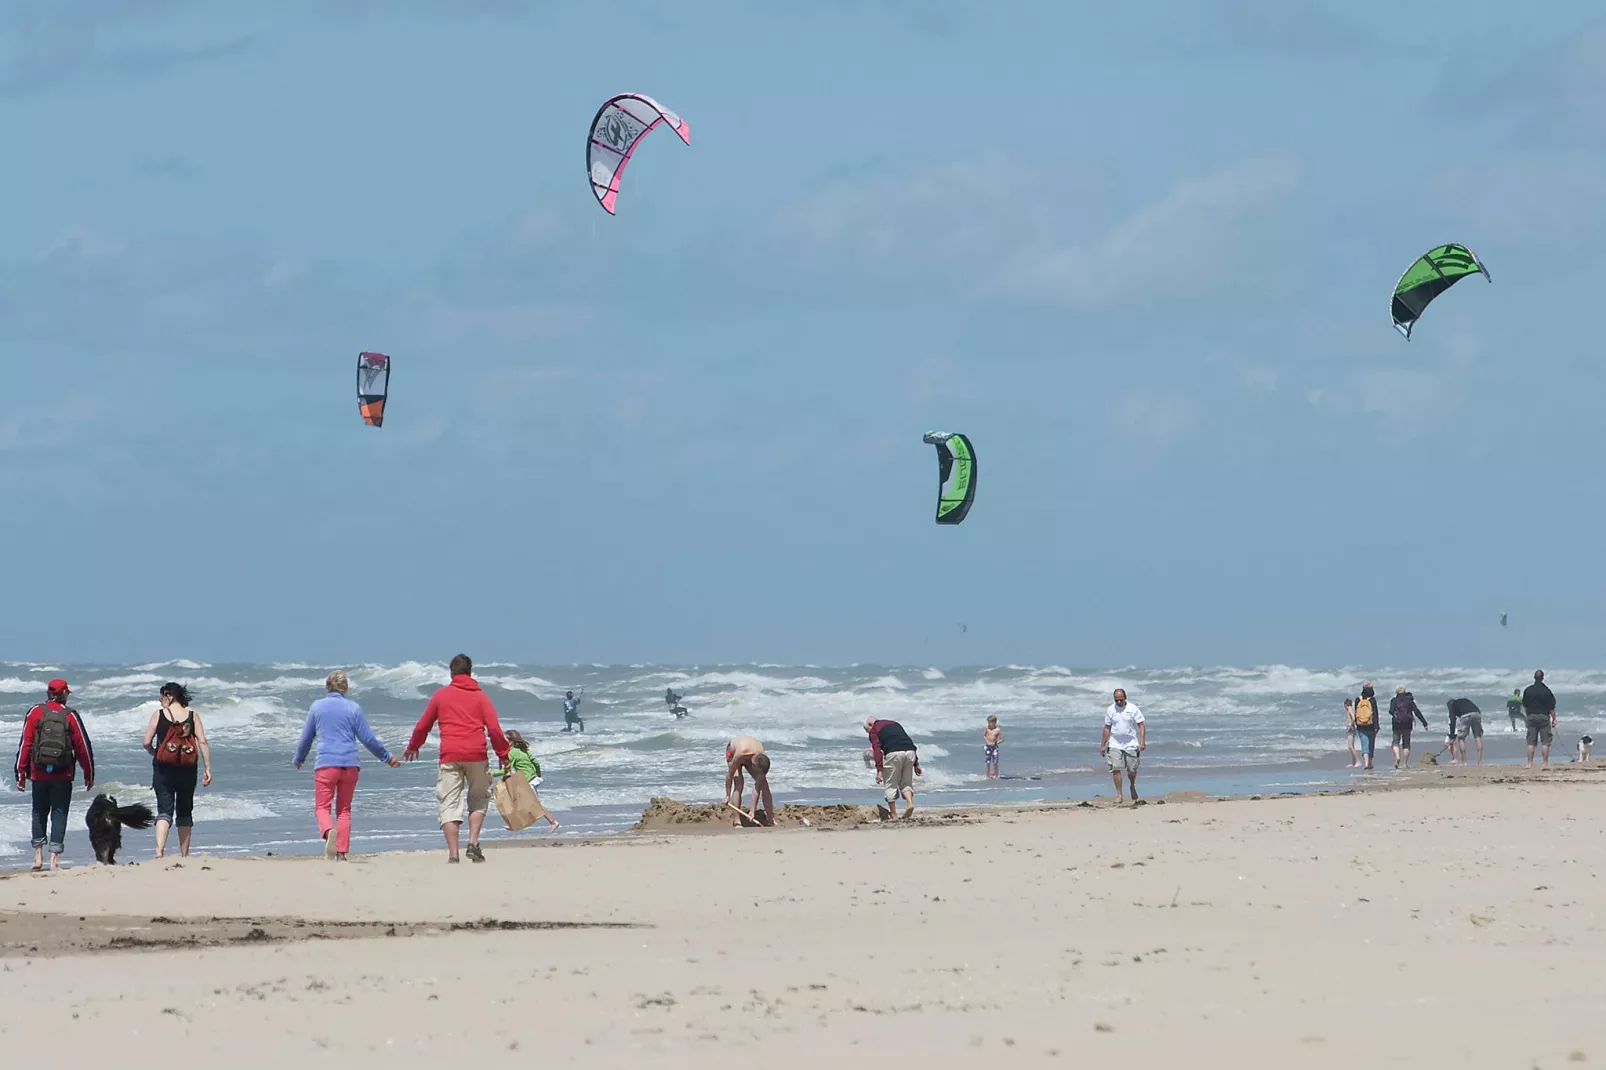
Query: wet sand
x=1461, y=926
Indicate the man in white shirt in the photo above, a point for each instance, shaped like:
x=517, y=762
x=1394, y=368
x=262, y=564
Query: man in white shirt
x=1124, y=740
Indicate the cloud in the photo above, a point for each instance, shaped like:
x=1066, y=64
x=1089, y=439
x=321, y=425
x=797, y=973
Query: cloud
x=52, y=44
x=1553, y=95
x=169, y=165
x=1290, y=28
x=1178, y=243
x=1150, y=423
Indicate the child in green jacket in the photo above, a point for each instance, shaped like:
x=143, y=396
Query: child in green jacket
x=520, y=758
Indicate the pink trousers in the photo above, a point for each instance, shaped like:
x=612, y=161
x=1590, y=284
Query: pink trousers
x=336, y=786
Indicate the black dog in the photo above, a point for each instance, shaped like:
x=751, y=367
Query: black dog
x=106, y=820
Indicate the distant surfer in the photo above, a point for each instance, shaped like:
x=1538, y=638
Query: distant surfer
x=571, y=712
x=672, y=700
x=991, y=737
x=1514, y=709
x=897, y=763
x=746, y=754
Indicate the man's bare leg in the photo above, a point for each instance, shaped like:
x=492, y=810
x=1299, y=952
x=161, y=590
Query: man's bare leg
x=761, y=788
x=908, y=802
x=1120, y=796
x=1544, y=755
x=1530, y=756
x=1480, y=751
x=1132, y=785
x=184, y=841
x=476, y=821
x=449, y=830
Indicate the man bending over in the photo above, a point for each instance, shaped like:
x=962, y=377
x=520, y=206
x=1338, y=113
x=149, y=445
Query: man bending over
x=747, y=754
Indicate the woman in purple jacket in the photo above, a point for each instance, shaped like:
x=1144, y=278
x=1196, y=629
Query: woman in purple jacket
x=338, y=724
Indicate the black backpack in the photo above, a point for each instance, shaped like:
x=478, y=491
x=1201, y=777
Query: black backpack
x=52, y=740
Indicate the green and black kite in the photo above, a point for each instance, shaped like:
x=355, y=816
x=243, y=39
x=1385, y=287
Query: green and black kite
x=1434, y=272
x=956, y=475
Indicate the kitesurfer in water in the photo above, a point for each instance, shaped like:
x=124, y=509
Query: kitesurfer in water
x=672, y=700
x=1514, y=708
x=571, y=712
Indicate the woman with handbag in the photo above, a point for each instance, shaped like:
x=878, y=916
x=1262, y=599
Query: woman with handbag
x=177, y=744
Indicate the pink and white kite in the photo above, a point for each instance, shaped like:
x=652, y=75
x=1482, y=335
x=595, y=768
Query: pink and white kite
x=620, y=125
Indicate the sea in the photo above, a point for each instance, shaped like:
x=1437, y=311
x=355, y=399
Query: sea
x=1222, y=731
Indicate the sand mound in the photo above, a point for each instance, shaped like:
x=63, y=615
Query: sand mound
x=671, y=815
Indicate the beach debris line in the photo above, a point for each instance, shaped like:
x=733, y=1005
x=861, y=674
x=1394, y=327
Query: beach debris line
x=664, y=814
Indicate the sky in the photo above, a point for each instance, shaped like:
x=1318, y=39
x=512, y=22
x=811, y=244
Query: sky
x=1140, y=253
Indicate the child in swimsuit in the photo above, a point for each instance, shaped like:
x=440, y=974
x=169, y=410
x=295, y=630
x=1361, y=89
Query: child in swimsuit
x=991, y=737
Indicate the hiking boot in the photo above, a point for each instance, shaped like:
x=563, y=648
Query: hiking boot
x=474, y=853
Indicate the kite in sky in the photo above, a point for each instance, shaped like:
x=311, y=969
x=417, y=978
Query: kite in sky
x=1434, y=272
x=373, y=387
x=620, y=125
x=956, y=475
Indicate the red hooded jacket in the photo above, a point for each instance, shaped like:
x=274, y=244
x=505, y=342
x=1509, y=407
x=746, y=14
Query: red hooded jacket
x=83, y=753
x=465, y=714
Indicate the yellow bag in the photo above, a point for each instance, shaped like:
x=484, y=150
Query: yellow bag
x=1365, y=713
x=517, y=802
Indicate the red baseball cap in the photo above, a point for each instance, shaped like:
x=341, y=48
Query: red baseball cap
x=57, y=685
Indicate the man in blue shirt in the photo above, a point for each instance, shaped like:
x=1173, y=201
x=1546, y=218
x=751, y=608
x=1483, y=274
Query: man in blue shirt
x=571, y=712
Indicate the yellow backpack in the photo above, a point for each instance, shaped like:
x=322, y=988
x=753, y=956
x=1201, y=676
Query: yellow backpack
x=1365, y=712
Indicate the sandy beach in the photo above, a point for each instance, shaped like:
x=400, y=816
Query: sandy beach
x=1457, y=923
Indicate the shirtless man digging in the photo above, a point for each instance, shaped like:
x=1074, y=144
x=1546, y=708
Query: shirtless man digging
x=747, y=754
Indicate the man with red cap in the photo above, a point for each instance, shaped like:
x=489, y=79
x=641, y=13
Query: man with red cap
x=53, y=746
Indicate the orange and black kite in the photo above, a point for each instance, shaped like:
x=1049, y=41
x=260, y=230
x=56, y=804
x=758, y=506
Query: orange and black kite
x=373, y=385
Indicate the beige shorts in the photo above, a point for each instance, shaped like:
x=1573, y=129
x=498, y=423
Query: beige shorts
x=898, y=771
x=1122, y=761
x=454, y=778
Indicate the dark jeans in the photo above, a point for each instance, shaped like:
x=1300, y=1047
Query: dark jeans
x=50, y=799
x=175, y=793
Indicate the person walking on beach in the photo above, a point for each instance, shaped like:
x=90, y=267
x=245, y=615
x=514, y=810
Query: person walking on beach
x=1539, y=703
x=991, y=737
x=466, y=717
x=1123, y=743
x=1465, y=720
x=1349, y=732
x=1365, y=714
x=1402, y=711
x=897, y=763
x=744, y=753
x=571, y=712
x=1514, y=708
x=338, y=724
x=521, y=760
x=52, y=748
x=177, y=745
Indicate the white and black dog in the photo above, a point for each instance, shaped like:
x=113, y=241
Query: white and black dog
x=1585, y=743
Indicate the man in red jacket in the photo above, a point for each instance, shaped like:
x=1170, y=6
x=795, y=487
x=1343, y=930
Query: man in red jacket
x=466, y=715
x=53, y=746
